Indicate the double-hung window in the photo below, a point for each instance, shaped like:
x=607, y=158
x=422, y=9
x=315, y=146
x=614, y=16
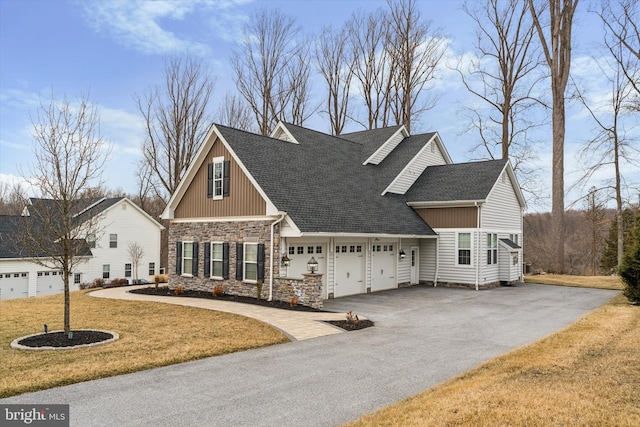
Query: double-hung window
x=187, y=257
x=127, y=270
x=251, y=261
x=106, y=271
x=152, y=268
x=218, y=178
x=492, y=248
x=113, y=240
x=217, y=260
x=464, y=248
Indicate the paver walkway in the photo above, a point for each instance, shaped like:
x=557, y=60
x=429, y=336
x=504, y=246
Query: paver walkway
x=297, y=325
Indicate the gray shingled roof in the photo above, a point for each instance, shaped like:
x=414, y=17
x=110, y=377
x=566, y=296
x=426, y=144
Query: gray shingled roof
x=11, y=226
x=461, y=181
x=322, y=184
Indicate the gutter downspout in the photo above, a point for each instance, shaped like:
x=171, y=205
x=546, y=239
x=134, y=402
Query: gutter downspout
x=477, y=247
x=273, y=226
x=435, y=279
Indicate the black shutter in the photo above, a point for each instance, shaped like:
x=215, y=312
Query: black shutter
x=225, y=260
x=261, y=261
x=207, y=259
x=225, y=178
x=210, y=180
x=178, y=258
x=194, y=270
x=239, y=259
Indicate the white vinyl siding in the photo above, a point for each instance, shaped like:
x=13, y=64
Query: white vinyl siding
x=449, y=269
x=385, y=148
x=404, y=265
x=427, y=259
x=502, y=210
x=425, y=158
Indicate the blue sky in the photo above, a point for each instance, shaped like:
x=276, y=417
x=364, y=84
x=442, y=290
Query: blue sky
x=112, y=50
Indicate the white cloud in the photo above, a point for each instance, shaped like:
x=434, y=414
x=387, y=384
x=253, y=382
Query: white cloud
x=143, y=25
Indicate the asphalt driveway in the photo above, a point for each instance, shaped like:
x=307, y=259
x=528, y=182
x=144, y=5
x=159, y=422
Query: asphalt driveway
x=423, y=336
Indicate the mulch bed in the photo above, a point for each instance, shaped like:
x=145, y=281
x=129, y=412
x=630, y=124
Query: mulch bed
x=60, y=339
x=164, y=291
x=361, y=324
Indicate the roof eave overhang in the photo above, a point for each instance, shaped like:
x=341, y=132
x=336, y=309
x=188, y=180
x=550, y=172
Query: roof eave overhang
x=366, y=235
x=446, y=204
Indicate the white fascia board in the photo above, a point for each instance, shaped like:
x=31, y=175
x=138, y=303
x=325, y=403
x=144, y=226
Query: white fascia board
x=169, y=210
x=514, y=184
x=405, y=170
x=281, y=127
x=226, y=219
x=443, y=149
x=90, y=206
x=401, y=129
x=446, y=204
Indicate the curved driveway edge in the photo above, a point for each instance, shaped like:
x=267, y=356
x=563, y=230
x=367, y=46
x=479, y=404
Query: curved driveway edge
x=423, y=336
x=297, y=325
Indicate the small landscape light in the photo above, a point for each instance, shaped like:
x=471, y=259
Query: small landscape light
x=46, y=328
x=70, y=335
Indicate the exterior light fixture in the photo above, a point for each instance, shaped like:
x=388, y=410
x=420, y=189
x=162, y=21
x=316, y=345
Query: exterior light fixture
x=286, y=261
x=312, y=265
x=402, y=254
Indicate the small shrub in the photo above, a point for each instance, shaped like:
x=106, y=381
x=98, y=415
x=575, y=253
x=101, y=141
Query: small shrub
x=161, y=278
x=156, y=280
x=352, y=318
x=98, y=283
x=85, y=285
x=259, y=288
x=179, y=290
x=218, y=291
x=293, y=301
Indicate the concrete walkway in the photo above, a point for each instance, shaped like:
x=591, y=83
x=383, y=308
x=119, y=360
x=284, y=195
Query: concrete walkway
x=297, y=325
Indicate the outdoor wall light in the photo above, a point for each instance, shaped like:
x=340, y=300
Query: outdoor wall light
x=312, y=265
x=286, y=261
x=402, y=254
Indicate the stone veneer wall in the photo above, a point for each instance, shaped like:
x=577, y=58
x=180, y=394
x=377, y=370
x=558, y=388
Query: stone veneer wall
x=308, y=291
x=231, y=232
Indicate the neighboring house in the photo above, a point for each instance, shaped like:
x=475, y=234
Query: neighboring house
x=376, y=209
x=107, y=256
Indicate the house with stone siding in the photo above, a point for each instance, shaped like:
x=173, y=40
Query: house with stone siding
x=376, y=210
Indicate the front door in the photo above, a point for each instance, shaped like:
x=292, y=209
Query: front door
x=415, y=265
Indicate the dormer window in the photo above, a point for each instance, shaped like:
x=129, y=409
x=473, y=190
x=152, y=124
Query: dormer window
x=218, y=178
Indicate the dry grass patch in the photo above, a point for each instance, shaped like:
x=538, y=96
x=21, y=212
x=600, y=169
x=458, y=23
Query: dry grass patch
x=151, y=335
x=600, y=282
x=585, y=374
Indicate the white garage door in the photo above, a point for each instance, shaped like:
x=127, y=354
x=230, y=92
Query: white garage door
x=49, y=282
x=383, y=267
x=349, y=275
x=14, y=285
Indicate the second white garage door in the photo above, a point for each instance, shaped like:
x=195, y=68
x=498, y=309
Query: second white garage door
x=49, y=283
x=14, y=285
x=383, y=267
x=349, y=269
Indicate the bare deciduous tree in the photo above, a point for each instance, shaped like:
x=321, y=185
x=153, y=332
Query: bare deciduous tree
x=622, y=39
x=334, y=61
x=234, y=112
x=262, y=65
x=367, y=35
x=136, y=252
x=612, y=144
x=557, y=52
x=414, y=53
x=12, y=197
x=176, y=119
x=69, y=157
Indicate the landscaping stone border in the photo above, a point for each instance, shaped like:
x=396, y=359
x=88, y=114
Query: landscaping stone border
x=15, y=345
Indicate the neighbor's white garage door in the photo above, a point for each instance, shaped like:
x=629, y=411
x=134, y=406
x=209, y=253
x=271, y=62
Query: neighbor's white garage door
x=49, y=282
x=383, y=266
x=14, y=285
x=349, y=269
